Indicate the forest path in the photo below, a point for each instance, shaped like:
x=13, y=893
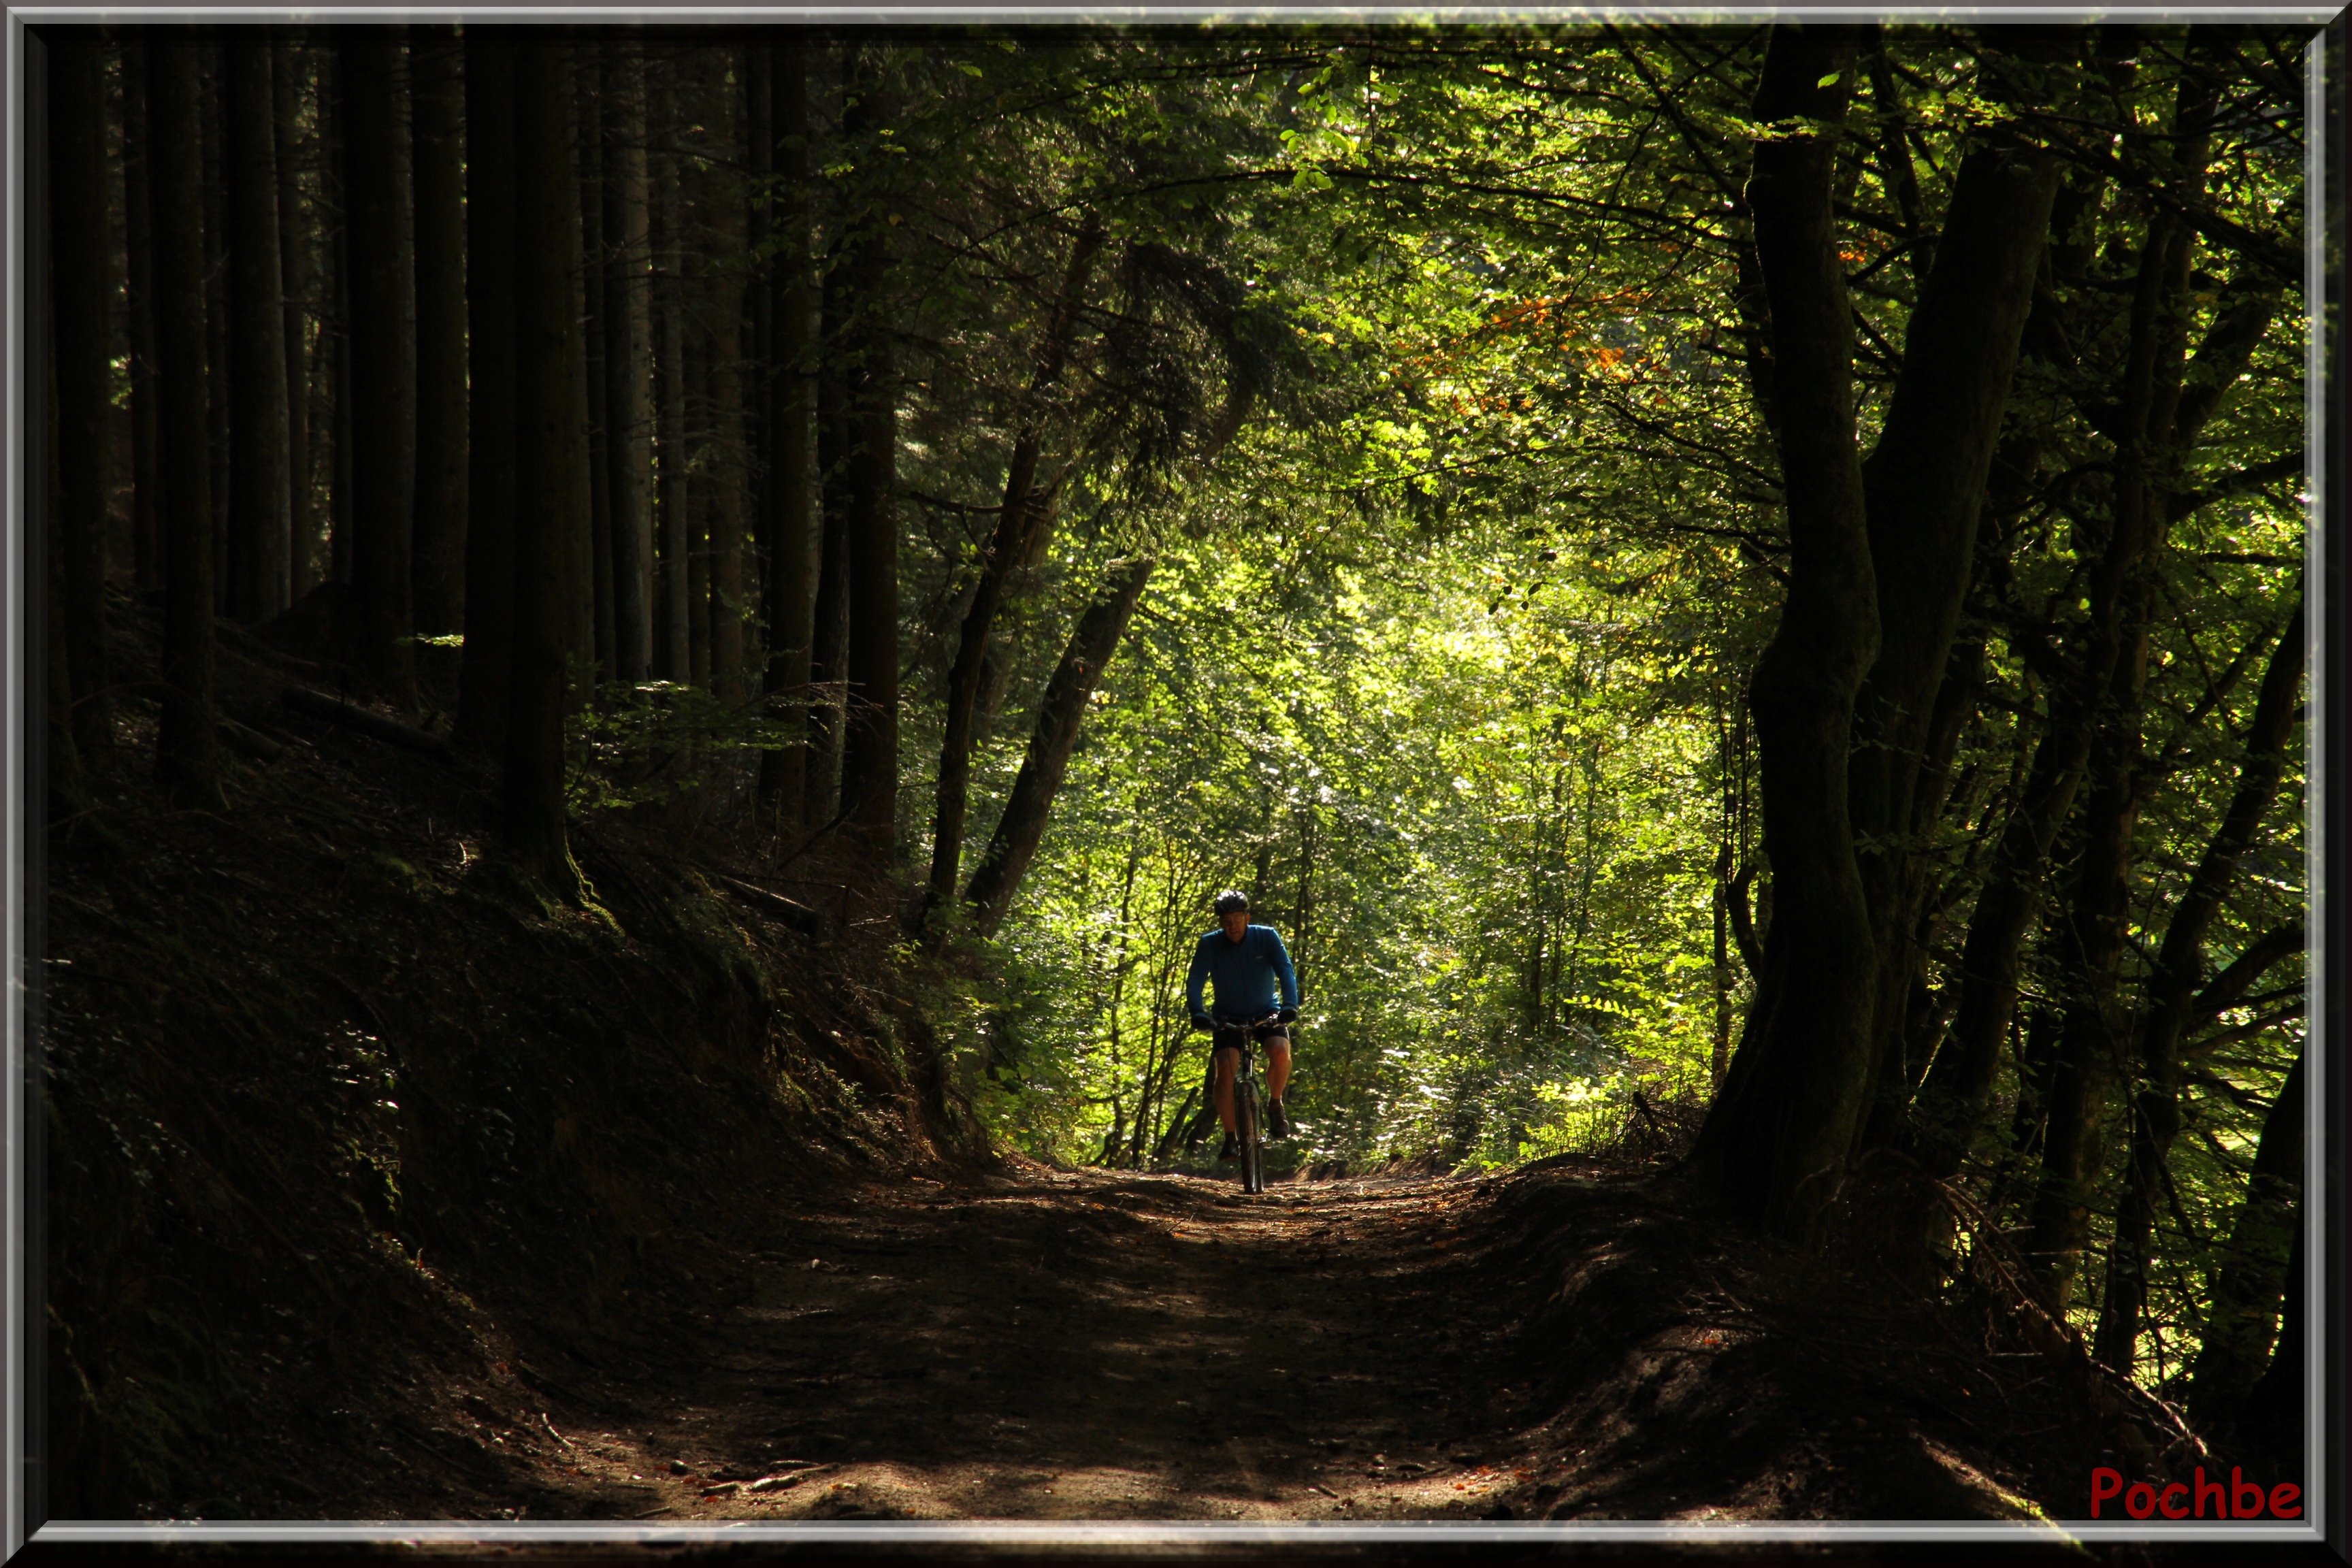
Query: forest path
x=1080, y=1345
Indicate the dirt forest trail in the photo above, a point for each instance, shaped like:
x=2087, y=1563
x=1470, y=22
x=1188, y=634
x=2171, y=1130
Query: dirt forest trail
x=1039, y=1345
x=1082, y=1345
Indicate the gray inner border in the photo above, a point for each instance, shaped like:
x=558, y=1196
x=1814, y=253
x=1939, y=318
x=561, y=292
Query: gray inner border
x=15, y=655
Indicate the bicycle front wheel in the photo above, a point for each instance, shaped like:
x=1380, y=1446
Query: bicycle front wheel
x=1249, y=1115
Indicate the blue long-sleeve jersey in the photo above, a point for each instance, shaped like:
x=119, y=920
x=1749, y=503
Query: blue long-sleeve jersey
x=1247, y=974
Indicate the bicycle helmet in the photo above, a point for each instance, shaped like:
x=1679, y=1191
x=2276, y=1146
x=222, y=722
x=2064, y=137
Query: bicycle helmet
x=1232, y=899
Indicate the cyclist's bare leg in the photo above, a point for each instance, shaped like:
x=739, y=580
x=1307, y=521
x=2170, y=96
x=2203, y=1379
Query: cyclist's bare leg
x=1277, y=1066
x=1228, y=1062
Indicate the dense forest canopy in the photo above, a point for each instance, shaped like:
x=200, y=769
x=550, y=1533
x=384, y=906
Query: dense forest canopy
x=1745, y=578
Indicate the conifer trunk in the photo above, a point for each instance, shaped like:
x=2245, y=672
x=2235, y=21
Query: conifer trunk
x=628, y=367
x=186, y=753
x=288, y=86
x=438, y=551
x=595, y=266
x=673, y=652
x=491, y=202
x=869, y=758
x=219, y=362
x=260, y=478
x=137, y=227
x=790, y=493
x=380, y=331
x=829, y=633
x=80, y=283
x=551, y=460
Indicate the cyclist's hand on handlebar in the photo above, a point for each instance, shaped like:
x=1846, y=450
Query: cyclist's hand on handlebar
x=1201, y=1022
x=1287, y=1015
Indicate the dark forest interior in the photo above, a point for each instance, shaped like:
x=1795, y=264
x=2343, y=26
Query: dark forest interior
x=656, y=639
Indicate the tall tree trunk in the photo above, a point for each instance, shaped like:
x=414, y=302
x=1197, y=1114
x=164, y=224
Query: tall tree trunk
x=581, y=650
x=829, y=633
x=137, y=228
x=1016, y=516
x=551, y=460
x=725, y=212
x=187, y=750
x=2171, y=993
x=219, y=365
x=380, y=332
x=490, y=291
x=869, y=759
x=727, y=605
x=1005, y=861
x=758, y=371
x=1775, y=1142
x=82, y=282
x=629, y=369
x=700, y=465
x=343, y=529
x=289, y=83
x=789, y=495
x=261, y=479
x=672, y=651
x=596, y=264
x=438, y=552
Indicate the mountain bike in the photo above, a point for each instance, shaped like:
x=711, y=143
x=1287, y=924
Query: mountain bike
x=1249, y=1096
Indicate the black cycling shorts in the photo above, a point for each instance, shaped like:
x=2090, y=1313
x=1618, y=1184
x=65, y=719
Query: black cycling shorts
x=1267, y=1034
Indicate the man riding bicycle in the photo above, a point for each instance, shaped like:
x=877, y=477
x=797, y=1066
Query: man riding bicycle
x=1254, y=977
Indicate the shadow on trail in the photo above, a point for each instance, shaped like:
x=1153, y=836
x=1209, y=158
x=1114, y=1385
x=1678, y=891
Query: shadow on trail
x=1099, y=1345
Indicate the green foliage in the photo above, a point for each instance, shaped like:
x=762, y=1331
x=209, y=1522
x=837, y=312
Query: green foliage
x=1446, y=654
x=651, y=744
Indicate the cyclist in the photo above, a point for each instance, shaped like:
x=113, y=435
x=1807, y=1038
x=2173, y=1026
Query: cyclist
x=1248, y=963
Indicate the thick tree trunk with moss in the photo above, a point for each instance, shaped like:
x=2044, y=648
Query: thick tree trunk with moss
x=1925, y=486
x=1775, y=1143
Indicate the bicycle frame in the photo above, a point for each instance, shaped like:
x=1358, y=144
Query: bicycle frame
x=1249, y=1106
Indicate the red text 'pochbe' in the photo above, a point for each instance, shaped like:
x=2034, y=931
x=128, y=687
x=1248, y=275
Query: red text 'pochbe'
x=2202, y=1499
